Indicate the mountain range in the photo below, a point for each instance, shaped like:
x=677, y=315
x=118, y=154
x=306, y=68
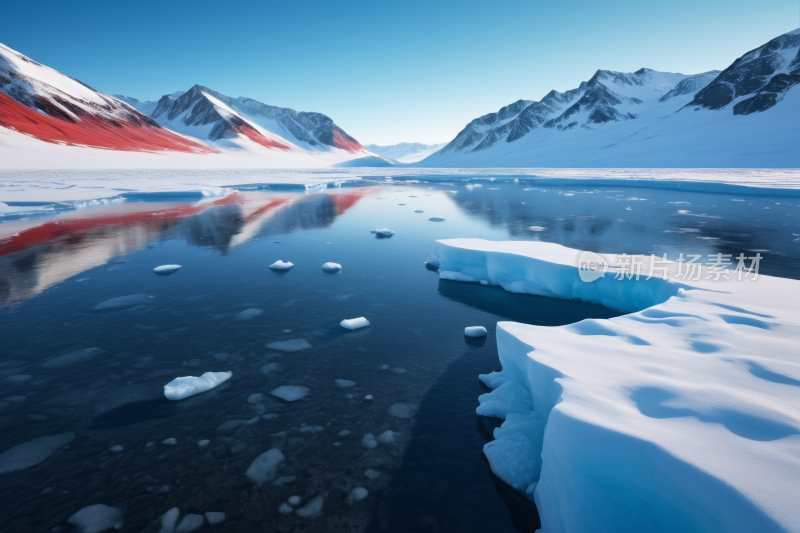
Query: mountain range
x=745, y=115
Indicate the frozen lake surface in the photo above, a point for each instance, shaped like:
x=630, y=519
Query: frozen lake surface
x=319, y=428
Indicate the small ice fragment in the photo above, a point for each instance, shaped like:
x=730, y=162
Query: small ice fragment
x=294, y=345
x=399, y=370
x=203, y=443
x=436, y=219
x=116, y=448
x=285, y=508
x=384, y=367
x=369, y=441
x=344, y=383
x=123, y=301
x=264, y=468
x=337, y=444
x=331, y=267
x=96, y=519
x=368, y=397
x=166, y=269
x=255, y=398
x=183, y=387
x=386, y=232
x=475, y=331
x=190, y=522
x=372, y=474
x=387, y=437
x=354, y=323
x=172, y=441
x=294, y=500
x=33, y=452
x=149, y=444
x=344, y=433
x=269, y=368
x=215, y=518
x=280, y=265
x=311, y=509
x=403, y=410
x=222, y=356
x=356, y=495
x=419, y=211
x=290, y=393
x=286, y=330
x=169, y=519
x=248, y=314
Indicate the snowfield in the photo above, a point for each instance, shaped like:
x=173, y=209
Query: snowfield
x=683, y=415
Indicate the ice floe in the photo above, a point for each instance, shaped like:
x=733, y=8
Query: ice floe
x=264, y=468
x=123, y=301
x=369, y=441
x=33, y=452
x=354, y=323
x=294, y=345
x=312, y=509
x=183, y=387
x=383, y=232
x=686, y=409
x=96, y=519
x=356, y=495
x=331, y=267
x=248, y=314
x=403, y=410
x=344, y=383
x=290, y=393
x=165, y=270
x=78, y=356
x=215, y=517
x=475, y=331
x=189, y=523
x=280, y=265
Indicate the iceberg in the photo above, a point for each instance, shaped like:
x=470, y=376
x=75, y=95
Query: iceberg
x=280, y=265
x=165, y=270
x=331, y=267
x=683, y=415
x=183, y=387
x=475, y=331
x=354, y=323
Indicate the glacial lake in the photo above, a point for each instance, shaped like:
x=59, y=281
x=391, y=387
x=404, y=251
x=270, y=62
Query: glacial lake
x=95, y=376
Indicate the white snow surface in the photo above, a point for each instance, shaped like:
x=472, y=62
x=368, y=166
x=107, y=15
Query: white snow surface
x=354, y=323
x=183, y=387
x=281, y=265
x=683, y=414
x=33, y=452
x=96, y=519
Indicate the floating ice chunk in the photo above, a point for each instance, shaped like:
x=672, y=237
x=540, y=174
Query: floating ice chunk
x=280, y=265
x=78, y=356
x=165, y=270
x=284, y=480
x=169, y=520
x=419, y=211
x=286, y=330
x=385, y=232
x=247, y=314
x=331, y=267
x=215, y=518
x=123, y=301
x=271, y=368
x=399, y=370
x=203, y=443
x=372, y=474
x=96, y=519
x=368, y=397
x=294, y=345
x=344, y=383
x=436, y=219
x=369, y=441
x=343, y=433
x=33, y=452
x=403, y=410
x=222, y=356
x=387, y=437
x=475, y=331
x=290, y=393
x=384, y=367
x=285, y=508
x=183, y=387
x=312, y=509
x=116, y=448
x=255, y=398
x=294, y=500
x=264, y=468
x=190, y=522
x=356, y=495
x=172, y=441
x=354, y=323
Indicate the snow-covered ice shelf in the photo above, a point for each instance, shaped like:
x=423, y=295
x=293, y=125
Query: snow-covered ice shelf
x=683, y=415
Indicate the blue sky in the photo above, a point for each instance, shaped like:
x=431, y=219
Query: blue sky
x=385, y=71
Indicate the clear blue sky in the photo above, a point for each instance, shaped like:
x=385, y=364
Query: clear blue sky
x=385, y=71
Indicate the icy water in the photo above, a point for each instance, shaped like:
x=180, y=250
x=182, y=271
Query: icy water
x=94, y=378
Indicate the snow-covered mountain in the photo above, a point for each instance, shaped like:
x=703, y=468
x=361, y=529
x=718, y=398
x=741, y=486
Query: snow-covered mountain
x=145, y=107
x=40, y=102
x=240, y=122
x=649, y=119
x=405, y=152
